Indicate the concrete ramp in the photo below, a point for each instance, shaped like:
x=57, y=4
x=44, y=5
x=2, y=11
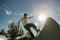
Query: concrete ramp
x=51, y=31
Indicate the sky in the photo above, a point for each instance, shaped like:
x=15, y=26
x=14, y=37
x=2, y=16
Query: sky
x=13, y=10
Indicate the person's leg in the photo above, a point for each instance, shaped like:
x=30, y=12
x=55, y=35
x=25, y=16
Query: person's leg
x=31, y=34
x=32, y=25
x=27, y=27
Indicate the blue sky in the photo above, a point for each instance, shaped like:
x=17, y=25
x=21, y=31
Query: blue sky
x=14, y=9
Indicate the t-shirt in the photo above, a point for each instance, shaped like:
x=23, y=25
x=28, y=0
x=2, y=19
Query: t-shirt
x=24, y=21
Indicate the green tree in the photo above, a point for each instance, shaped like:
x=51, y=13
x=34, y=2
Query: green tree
x=14, y=31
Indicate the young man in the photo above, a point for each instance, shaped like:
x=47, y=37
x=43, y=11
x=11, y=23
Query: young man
x=24, y=21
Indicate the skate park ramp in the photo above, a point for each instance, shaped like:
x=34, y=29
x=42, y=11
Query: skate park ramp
x=51, y=31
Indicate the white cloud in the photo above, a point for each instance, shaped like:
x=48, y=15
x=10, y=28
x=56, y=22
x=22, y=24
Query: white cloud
x=10, y=21
x=18, y=14
x=8, y=12
x=15, y=13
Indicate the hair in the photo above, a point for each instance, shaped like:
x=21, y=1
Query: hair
x=25, y=14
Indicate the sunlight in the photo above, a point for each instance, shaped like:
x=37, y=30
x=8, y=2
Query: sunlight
x=42, y=17
x=2, y=37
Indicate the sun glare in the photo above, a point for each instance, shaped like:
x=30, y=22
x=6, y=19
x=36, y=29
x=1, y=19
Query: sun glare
x=42, y=17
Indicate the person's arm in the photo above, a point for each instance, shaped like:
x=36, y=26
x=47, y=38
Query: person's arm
x=30, y=17
x=19, y=22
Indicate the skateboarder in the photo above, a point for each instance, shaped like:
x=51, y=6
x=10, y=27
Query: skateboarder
x=24, y=21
